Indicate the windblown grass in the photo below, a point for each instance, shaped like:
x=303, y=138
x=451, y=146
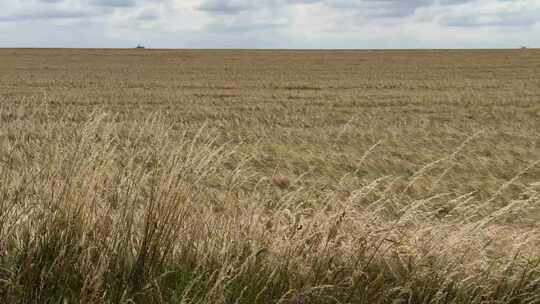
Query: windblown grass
x=110, y=203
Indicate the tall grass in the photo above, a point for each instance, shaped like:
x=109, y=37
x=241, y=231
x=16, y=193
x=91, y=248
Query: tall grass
x=111, y=210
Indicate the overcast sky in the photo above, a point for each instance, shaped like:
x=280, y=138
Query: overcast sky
x=270, y=23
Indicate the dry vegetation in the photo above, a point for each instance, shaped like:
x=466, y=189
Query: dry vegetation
x=145, y=176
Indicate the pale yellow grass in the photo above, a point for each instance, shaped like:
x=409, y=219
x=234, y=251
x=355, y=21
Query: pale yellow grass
x=269, y=177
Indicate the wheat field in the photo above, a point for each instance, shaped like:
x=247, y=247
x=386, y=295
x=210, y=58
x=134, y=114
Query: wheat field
x=236, y=176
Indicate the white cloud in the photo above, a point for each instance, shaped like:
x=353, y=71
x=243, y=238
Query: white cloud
x=270, y=23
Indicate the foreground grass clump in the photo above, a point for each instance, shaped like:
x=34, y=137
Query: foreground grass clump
x=269, y=177
x=103, y=211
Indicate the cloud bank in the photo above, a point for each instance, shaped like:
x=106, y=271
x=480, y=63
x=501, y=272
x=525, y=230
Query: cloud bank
x=271, y=23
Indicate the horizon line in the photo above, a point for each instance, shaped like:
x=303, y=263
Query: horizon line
x=263, y=49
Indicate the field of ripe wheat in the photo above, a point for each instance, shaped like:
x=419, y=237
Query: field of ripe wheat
x=215, y=176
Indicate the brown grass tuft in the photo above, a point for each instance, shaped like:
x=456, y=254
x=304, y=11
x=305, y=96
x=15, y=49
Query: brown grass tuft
x=281, y=181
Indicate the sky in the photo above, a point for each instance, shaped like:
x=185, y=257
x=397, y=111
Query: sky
x=267, y=24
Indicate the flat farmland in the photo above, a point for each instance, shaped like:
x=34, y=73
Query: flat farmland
x=240, y=176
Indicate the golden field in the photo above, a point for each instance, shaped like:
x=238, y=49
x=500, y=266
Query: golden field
x=236, y=176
